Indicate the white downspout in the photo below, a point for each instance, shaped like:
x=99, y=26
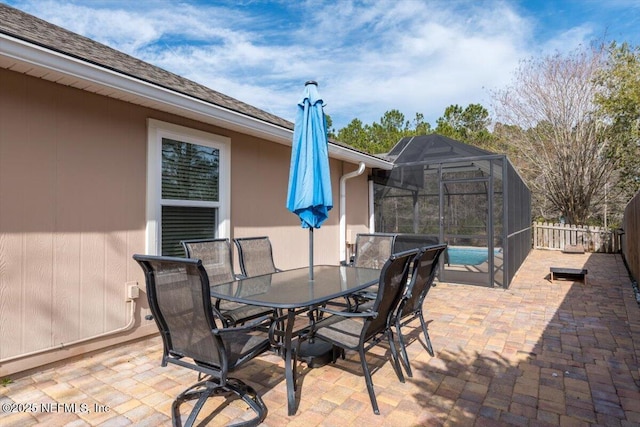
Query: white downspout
x=372, y=218
x=343, y=209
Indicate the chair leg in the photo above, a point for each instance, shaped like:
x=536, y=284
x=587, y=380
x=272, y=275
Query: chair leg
x=205, y=389
x=403, y=350
x=367, y=378
x=251, y=398
x=426, y=334
x=201, y=391
x=394, y=356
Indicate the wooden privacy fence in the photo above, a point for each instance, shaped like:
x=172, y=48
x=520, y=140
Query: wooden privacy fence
x=559, y=236
x=631, y=237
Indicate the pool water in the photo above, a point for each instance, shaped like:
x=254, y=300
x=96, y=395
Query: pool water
x=468, y=255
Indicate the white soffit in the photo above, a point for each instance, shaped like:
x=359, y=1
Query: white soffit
x=33, y=60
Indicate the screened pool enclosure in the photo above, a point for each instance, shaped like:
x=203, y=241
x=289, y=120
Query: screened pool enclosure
x=450, y=192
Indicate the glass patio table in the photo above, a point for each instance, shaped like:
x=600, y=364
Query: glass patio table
x=293, y=291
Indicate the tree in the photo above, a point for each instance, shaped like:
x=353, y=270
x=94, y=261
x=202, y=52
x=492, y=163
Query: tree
x=381, y=137
x=620, y=105
x=468, y=125
x=420, y=127
x=553, y=125
x=450, y=123
x=355, y=135
x=331, y=132
x=391, y=129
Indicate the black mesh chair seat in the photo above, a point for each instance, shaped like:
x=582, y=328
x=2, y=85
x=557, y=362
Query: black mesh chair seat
x=346, y=330
x=423, y=273
x=362, y=330
x=194, y=337
x=236, y=313
x=215, y=255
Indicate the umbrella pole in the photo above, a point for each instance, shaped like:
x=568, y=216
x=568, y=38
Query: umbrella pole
x=310, y=253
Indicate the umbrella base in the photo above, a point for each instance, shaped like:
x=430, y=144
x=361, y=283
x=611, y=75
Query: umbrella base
x=318, y=353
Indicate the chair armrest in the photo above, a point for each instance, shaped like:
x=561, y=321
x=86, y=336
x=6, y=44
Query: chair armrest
x=366, y=295
x=335, y=303
x=246, y=327
x=373, y=314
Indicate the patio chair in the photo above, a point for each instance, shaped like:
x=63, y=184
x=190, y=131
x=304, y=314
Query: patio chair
x=361, y=331
x=256, y=256
x=215, y=255
x=373, y=250
x=423, y=273
x=178, y=295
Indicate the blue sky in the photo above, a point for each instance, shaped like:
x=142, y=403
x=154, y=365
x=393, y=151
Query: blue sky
x=368, y=56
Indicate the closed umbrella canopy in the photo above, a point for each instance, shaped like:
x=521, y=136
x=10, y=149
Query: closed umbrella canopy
x=309, y=194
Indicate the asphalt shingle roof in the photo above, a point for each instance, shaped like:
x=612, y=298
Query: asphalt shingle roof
x=26, y=27
x=21, y=25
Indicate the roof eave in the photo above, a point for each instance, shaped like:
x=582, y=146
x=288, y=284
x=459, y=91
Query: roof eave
x=22, y=56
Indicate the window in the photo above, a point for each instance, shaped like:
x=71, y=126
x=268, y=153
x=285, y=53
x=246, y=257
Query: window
x=187, y=185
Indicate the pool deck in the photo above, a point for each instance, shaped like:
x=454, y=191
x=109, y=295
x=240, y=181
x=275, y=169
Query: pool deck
x=538, y=354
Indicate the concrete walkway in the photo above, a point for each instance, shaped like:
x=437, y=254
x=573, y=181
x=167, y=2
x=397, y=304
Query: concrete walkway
x=537, y=354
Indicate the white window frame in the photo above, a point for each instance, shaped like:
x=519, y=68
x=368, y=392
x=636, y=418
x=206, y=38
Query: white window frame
x=156, y=131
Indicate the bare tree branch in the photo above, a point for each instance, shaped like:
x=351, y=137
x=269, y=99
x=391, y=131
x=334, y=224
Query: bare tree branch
x=555, y=130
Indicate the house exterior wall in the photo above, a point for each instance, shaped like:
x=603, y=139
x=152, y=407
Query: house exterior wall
x=72, y=213
x=357, y=210
x=259, y=199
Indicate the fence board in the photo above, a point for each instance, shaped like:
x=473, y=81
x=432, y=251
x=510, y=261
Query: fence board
x=631, y=236
x=559, y=236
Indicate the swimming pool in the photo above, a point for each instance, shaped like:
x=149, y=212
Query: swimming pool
x=468, y=255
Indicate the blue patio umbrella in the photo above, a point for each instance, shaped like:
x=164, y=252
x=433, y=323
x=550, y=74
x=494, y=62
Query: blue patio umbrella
x=309, y=194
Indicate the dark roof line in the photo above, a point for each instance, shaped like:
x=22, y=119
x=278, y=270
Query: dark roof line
x=31, y=29
x=23, y=26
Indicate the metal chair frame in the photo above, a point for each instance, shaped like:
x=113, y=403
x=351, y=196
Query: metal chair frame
x=206, y=348
x=233, y=313
x=376, y=323
x=376, y=238
x=253, y=266
x=423, y=273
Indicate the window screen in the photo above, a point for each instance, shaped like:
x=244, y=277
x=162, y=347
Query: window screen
x=190, y=193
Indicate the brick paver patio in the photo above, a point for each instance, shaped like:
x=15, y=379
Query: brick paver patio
x=537, y=354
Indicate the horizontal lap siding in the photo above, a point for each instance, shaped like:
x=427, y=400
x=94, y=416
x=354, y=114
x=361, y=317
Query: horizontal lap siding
x=72, y=194
x=260, y=174
x=72, y=212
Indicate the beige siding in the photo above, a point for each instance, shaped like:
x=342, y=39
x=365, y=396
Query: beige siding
x=72, y=212
x=357, y=205
x=260, y=173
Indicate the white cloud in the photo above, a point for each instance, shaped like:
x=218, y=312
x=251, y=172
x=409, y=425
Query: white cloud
x=570, y=39
x=428, y=62
x=369, y=57
x=117, y=28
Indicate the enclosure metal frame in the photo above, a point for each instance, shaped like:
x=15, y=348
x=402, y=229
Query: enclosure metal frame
x=516, y=222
